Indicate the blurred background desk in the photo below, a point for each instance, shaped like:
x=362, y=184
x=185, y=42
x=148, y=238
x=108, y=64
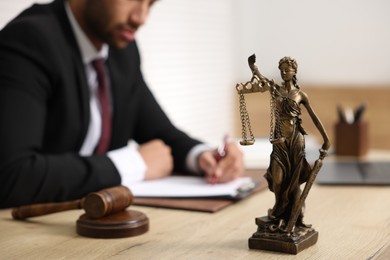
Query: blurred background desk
x=353, y=223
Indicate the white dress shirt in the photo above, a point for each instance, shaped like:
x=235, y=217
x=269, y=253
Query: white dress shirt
x=127, y=159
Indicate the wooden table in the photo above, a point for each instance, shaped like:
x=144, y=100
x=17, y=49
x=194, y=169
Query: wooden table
x=353, y=223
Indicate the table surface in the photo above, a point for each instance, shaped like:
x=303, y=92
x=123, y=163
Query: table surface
x=353, y=223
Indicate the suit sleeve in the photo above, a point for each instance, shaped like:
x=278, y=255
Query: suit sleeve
x=30, y=173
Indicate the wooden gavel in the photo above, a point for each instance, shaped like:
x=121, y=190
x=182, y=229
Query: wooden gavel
x=96, y=204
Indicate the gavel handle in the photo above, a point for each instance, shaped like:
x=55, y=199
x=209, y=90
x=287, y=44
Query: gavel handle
x=36, y=210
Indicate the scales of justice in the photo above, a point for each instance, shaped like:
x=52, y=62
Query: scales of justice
x=283, y=229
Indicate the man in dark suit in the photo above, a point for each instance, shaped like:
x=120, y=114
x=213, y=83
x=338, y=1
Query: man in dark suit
x=65, y=122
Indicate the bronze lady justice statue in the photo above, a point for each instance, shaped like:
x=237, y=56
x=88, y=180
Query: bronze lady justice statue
x=283, y=227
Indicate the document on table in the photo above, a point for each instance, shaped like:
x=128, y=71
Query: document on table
x=193, y=187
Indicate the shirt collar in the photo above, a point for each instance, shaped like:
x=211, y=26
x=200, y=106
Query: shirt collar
x=88, y=51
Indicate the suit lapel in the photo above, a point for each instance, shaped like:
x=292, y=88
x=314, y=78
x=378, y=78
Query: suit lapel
x=79, y=70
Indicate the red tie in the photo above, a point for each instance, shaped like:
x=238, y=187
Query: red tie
x=104, y=99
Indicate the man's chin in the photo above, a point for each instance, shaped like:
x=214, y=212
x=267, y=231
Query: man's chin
x=120, y=44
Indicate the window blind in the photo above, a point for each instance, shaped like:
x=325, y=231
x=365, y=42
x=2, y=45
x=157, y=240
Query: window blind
x=188, y=61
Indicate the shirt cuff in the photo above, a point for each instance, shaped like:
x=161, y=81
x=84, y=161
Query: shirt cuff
x=129, y=163
x=192, y=157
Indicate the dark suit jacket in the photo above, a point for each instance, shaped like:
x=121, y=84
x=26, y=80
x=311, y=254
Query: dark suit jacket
x=44, y=111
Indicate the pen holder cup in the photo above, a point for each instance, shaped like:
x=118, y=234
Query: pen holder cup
x=351, y=139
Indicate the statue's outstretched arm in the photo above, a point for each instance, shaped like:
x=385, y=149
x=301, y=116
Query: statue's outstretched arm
x=258, y=83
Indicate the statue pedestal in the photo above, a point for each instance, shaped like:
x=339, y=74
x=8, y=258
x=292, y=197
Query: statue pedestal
x=269, y=237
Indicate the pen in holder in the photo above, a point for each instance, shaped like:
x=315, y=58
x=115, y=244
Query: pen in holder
x=351, y=132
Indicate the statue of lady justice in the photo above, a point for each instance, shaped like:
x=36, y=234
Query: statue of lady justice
x=288, y=167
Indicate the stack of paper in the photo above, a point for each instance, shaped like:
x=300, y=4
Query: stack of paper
x=191, y=187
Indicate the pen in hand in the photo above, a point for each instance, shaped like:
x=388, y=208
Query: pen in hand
x=221, y=153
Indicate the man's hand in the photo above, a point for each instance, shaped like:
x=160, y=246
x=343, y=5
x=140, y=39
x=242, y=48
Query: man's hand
x=158, y=158
x=228, y=168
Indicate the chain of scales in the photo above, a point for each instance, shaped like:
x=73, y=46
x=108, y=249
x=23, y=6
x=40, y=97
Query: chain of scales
x=276, y=132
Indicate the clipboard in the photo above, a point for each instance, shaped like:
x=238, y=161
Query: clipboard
x=203, y=204
x=192, y=187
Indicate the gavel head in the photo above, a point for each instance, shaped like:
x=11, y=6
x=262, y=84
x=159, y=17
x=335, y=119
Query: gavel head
x=107, y=201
